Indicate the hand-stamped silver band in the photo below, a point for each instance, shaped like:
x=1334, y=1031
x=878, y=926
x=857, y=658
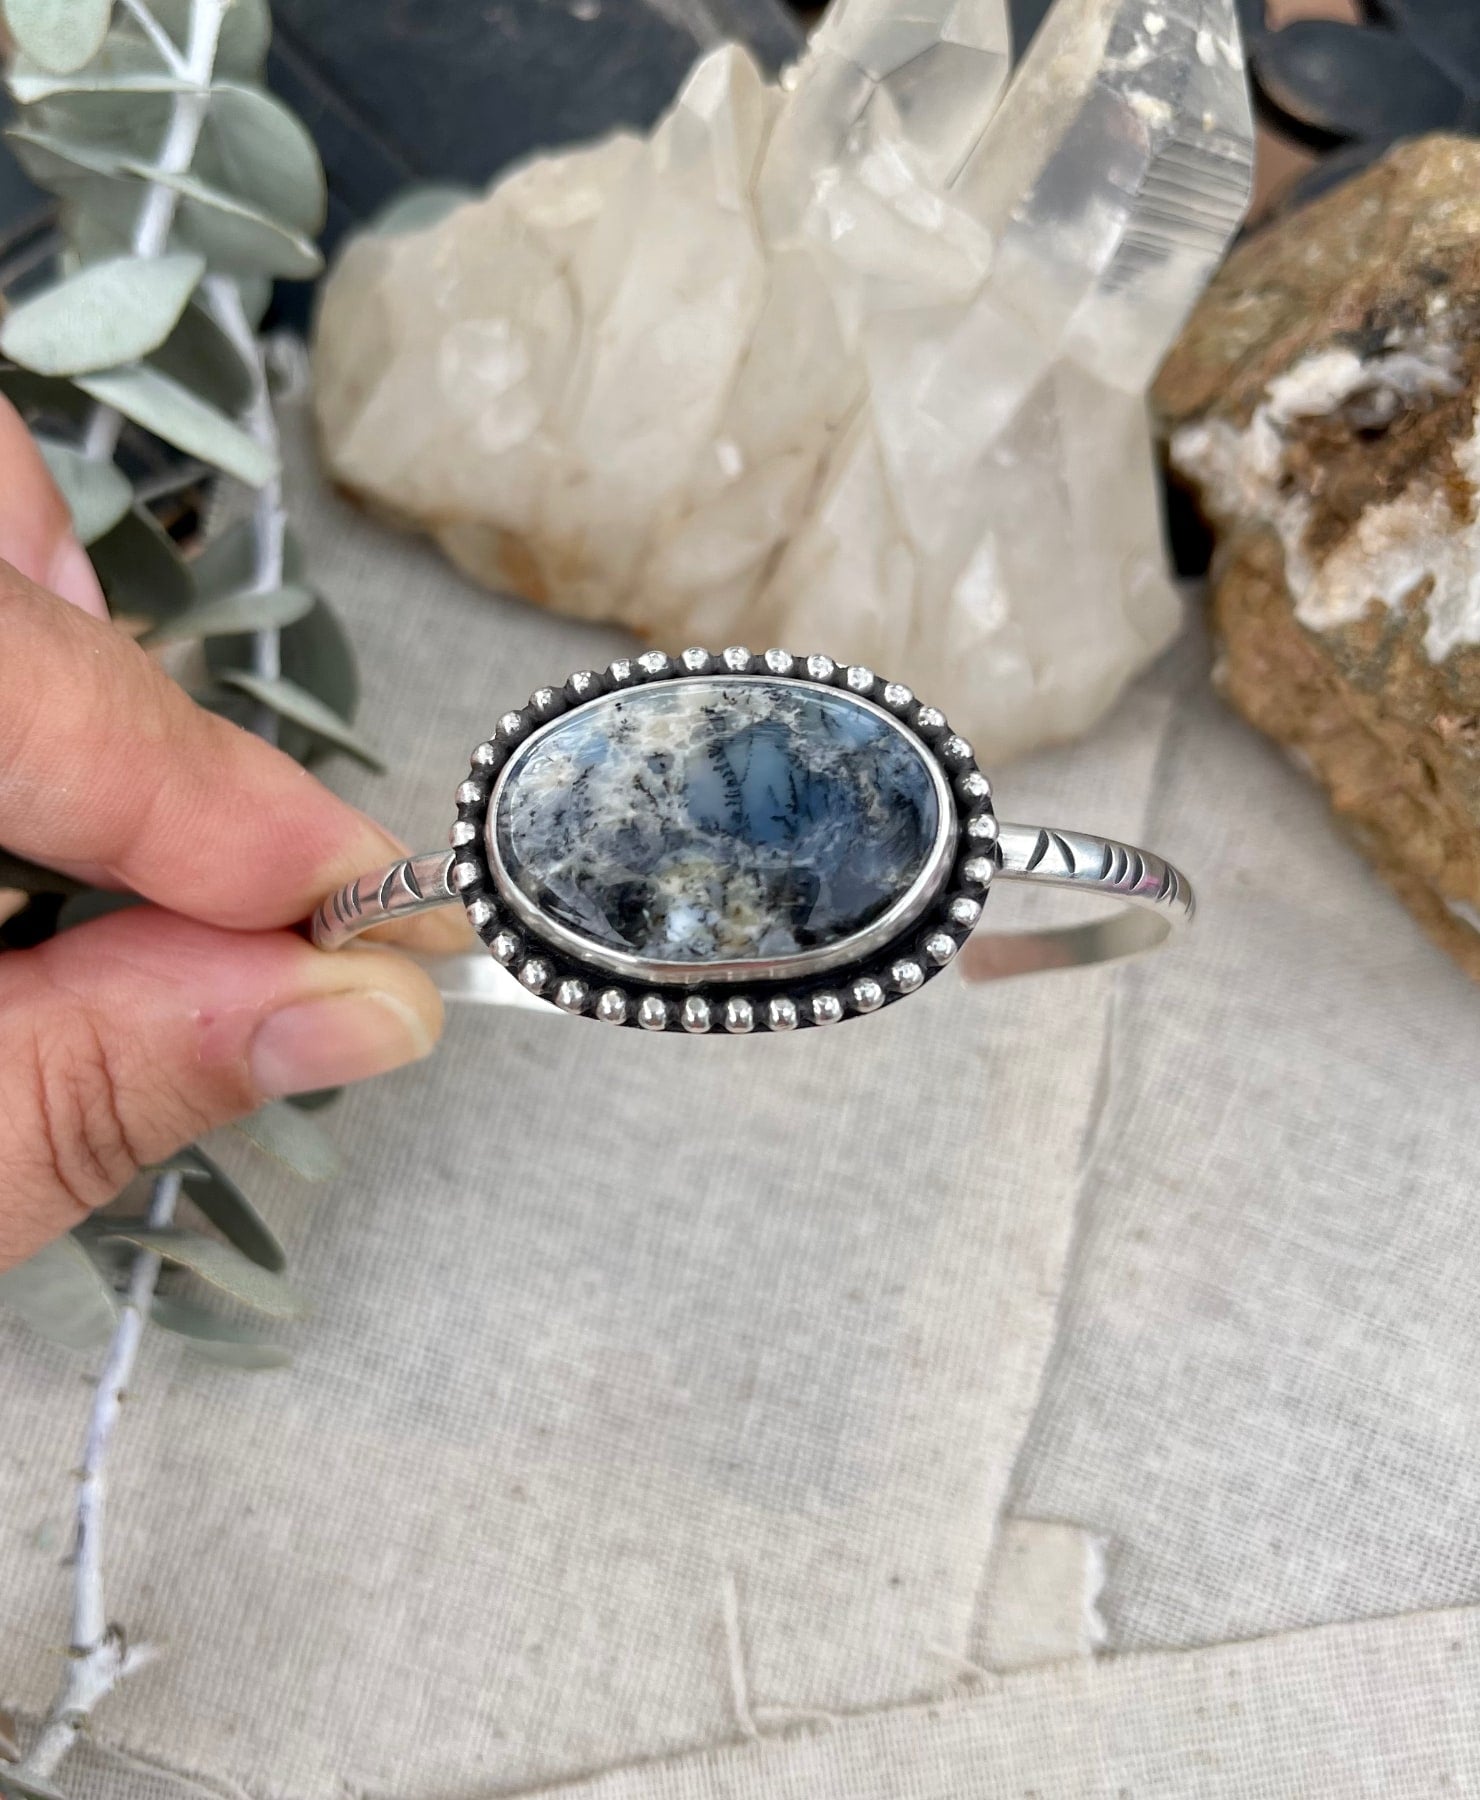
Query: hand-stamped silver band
x=1156, y=898
x=416, y=884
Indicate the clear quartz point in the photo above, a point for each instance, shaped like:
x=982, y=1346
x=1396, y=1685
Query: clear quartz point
x=856, y=361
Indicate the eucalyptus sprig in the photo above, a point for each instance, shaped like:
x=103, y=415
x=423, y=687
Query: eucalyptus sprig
x=184, y=189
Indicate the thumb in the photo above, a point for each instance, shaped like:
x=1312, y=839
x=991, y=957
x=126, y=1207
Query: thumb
x=137, y=1032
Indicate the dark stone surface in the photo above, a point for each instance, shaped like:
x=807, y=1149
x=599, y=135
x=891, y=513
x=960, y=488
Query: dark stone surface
x=719, y=820
x=396, y=91
x=451, y=90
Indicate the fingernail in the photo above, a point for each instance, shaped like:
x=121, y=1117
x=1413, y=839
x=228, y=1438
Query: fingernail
x=334, y=1040
x=73, y=577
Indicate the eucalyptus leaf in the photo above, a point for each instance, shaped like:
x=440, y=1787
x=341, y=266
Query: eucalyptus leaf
x=107, y=313
x=256, y=293
x=38, y=397
x=315, y=653
x=199, y=355
x=112, y=1261
x=32, y=878
x=97, y=493
x=227, y=564
x=246, y=31
x=98, y=218
x=59, y=34
x=236, y=238
x=31, y=85
x=173, y=413
x=294, y=1138
x=59, y=160
x=95, y=903
x=183, y=1162
x=61, y=1294
x=315, y=1100
x=222, y=1266
x=143, y=574
x=253, y=148
x=296, y=704
x=10, y=1750
x=417, y=207
x=128, y=122
x=234, y=613
x=213, y=1193
x=122, y=65
x=26, y=1787
x=217, y=1340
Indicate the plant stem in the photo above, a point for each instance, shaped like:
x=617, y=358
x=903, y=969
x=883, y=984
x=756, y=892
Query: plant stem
x=157, y=215
x=99, y=1656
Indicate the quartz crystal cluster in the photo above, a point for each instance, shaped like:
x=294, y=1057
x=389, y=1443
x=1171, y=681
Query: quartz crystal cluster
x=853, y=363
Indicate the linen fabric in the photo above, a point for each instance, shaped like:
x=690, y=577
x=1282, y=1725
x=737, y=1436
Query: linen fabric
x=663, y=1394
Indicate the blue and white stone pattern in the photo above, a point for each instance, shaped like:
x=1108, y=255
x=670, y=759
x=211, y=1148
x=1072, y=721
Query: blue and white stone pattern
x=718, y=820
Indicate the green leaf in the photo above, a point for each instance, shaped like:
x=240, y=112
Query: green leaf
x=417, y=207
x=253, y=148
x=199, y=355
x=245, y=33
x=61, y=1294
x=221, y=1265
x=38, y=397
x=213, y=1193
x=234, y=613
x=26, y=1787
x=256, y=293
x=59, y=34
x=183, y=1162
x=107, y=313
x=57, y=159
x=173, y=413
x=31, y=878
x=236, y=238
x=227, y=564
x=294, y=703
x=124, y=65
x=294, y=1138
x=97, y=494
x=315, y=653
x=96, y=903
x=217, y=1340
x=143, y=574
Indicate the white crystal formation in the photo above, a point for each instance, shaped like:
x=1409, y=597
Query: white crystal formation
x=856, y=363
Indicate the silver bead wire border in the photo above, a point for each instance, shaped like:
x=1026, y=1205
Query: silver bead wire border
x=853, y=990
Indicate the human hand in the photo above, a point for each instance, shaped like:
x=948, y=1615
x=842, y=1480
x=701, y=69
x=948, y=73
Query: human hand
x=130, y=1035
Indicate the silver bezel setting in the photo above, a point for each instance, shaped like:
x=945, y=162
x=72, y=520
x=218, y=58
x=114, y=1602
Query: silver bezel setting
x=891, y=958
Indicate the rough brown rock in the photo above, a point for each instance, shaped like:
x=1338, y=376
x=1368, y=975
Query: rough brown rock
x=1322, y=402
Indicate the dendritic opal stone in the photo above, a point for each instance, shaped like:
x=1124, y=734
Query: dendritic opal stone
x=715, y=826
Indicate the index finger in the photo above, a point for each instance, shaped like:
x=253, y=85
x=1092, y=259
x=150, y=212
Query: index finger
x=104, y=761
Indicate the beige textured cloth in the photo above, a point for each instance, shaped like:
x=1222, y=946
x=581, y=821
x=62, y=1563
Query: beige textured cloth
x=661, y=1393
